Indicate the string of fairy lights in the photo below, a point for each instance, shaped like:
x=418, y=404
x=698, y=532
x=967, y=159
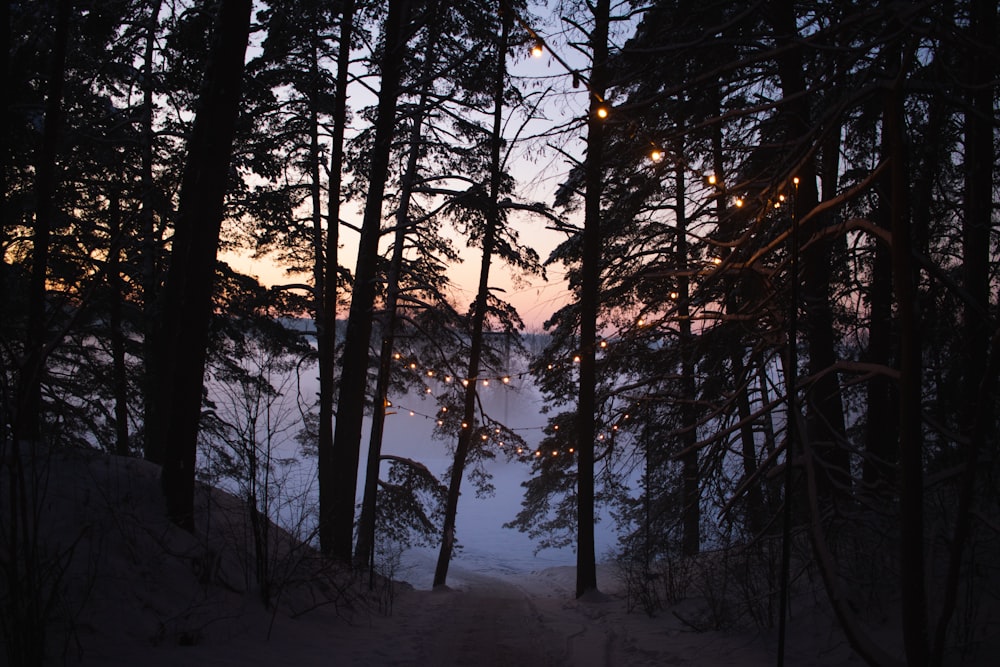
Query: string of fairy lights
x=490, y=433
x=493, y=433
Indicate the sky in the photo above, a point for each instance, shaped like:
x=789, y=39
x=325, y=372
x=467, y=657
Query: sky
x=538, y=166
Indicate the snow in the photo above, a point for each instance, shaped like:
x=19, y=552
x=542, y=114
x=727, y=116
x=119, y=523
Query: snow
x=139, y=591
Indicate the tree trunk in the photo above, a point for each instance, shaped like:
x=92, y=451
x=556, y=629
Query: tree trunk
x=478, y=315
x=911, y=479
x=691, y=488
x=151, y=410
x=590, y=286
x=354, y=374
x=183, y=334
x=824, y=410
x=976, y=228
x=27, y=419
x=326, y=315
x=119, y=373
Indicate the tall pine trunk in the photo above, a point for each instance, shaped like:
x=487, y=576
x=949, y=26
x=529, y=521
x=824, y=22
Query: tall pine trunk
x=980, y=360
x=187, y=299
x=354, y=374
x=27, y=419
x=152, y=410
x=590, y=286
x=326, y=308
x=690, y=483
x=468, y=429
x=824, y=425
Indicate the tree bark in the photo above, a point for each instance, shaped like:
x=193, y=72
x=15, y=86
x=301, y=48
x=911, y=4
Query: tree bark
x=468, y=430
x=183, y=334
x=364, y=550
x=824, y=427
x=354, y=373
x=152, y=409
x=590, y=285
x=27, y=419
x=911, y=479
x=326, y=308
x=979, y=362
x=690, y=486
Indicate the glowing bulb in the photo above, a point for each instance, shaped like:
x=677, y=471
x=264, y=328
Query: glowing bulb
x=795, y=180
x=427, y=390
x=571, y=450
x=777, y=204
x=738, y=202
x=537, y=49
x=486, y=383
x=447, y=378
x=444, y=408
x=556, y=427
x=413, y=366
x=555, y=452
x=604, y=343
x=440, y=423
x=549, y=367
x=465, y=383
x=506, y=379
x=602, y=112
x=655, y=155
x=484, y=437
x=576, y=359
x=641, y=321
x=537, y=453
x=412, y=413
x=397, y=356
x=430, y=374
x=674, y=295
x=711, y=179
x=465, y=424
x=781, y=197
x=716, y=260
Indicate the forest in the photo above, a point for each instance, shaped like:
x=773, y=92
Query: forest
x=779, y=343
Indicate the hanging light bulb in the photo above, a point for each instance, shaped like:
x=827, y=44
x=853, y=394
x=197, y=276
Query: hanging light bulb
x=738, y=202
x=537, y=49
x=506, y=379
x=656, y=155
x=711, y=179
x=602, y=112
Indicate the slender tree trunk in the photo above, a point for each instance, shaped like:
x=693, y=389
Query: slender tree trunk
x=326, y=319
x=590, y=286
x=152, y=409
x=911, y=479
x=119, y=373
x=824, y=409
x=979, y=361
x=354, y=374
x=183, y=335
x=691, y=487
x=27, y=419
x=469, y=429
x=364, y=550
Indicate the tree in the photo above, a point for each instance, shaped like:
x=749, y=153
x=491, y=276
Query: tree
x=188, y=290
x=354, y=373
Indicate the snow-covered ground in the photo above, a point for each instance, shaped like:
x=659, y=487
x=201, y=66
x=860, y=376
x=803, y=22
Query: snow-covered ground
x=139, y=591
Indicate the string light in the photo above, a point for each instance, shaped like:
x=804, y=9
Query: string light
x=602, y=112
x=537, y=49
